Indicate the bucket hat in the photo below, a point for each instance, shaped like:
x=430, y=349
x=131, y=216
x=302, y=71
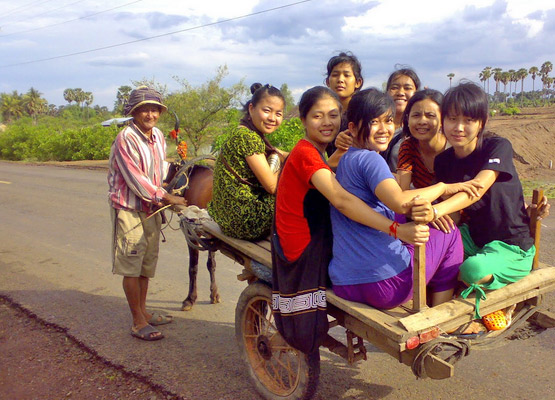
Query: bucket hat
x=143, y=95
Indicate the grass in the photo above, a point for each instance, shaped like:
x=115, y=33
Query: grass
x=529, y=186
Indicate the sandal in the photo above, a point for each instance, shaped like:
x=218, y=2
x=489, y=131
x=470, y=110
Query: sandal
x=148, y=333
x=159, y=319
x=461, y=331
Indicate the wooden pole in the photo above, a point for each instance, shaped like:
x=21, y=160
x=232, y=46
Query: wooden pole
x=535, y=225
x=419, y=279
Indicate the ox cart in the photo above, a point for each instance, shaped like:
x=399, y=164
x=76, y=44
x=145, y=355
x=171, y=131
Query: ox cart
x=413, y=333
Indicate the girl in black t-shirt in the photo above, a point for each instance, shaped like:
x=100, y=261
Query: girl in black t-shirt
x=498, y=246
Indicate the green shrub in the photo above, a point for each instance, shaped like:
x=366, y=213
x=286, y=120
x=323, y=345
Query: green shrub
x=46, y=143
x=284, y=138
x=512, y=110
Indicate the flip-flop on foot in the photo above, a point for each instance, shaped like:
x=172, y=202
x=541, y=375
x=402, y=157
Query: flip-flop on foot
x=148, y=333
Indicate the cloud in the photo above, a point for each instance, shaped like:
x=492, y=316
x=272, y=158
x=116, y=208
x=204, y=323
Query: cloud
x=135, y=60
x=291, y=45
x=308, y=20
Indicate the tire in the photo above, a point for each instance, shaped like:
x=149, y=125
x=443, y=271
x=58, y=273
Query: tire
x=278, y=371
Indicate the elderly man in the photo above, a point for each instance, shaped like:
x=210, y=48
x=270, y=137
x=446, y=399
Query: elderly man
x=137, y=169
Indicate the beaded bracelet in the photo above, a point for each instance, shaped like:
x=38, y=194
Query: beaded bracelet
x=393, y=229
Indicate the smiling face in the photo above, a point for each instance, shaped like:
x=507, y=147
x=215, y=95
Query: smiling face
x=424, y=120
x=343, y=81
x=322, y=122
x=401, y=90
x=146, y=117
x=267, y=115
x=380, y=131
x=462, y=133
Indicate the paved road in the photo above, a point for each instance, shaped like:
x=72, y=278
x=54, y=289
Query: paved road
x=54, y=260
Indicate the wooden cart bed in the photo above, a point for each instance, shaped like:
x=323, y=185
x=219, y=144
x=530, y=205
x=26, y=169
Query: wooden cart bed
x=400, y=323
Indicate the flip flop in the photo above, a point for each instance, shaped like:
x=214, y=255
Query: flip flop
x=147, y=333
x=473, y=335
x=160, y=319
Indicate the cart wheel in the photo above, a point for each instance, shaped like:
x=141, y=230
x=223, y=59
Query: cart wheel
x=278, y=370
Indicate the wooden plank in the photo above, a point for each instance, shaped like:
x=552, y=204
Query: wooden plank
x=368, y=333
x=370, y=316
x=249, y=249
x=539, y=281
x=436, y=368
x=535, y=225
x=419, y=279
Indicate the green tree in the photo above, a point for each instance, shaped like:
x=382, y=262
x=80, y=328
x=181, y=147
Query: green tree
x=533, y=71
x=69, y=95
x=79, y=96
x=484, y=77
x=11, y=106
x=511, y=79
x=497, y=77
x=89, y=98
x=450, y=76
x=289, y=100
x=152, y=83
x=34, y=104
x=121, y=98
x=522, y=73
x=204, y=110
x=545, y=69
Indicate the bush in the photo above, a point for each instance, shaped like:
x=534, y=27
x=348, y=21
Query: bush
x=513, y=110
x=43, y=143
x=284, y=138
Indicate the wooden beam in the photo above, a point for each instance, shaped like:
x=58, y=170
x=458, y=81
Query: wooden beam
x=419, y=279
x=539, y=281
x=535, y=225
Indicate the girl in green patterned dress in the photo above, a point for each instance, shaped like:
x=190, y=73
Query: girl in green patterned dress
x=244, y=182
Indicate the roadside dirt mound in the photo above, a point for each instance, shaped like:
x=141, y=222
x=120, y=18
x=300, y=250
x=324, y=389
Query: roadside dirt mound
x=532, y=134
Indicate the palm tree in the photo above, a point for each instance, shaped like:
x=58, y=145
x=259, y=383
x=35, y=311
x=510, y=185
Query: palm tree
x=511, y=73
x=522, y=73
x=69, y=95
x=545, y=69
x=497, y=77
x=505, y=78
x=11, y=106
x=484, y=76
x=121, y=98
x=88, y=101
x=533, y=71
x=34, y=104
x=450, y=76
x=79, y=96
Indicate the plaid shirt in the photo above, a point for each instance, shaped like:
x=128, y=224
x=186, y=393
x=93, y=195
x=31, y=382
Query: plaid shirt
x=137, y=169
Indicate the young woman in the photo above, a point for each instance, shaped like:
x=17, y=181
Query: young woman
x=425, y=140
x=368, y=265
x=302, y=241
x=244, y=183
x=496, y=236
x=401, y=86
x=344, y=77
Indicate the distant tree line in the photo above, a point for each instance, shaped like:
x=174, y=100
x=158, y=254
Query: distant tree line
x=514, y=76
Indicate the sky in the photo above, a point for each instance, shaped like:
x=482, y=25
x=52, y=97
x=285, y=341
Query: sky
x=98, y=46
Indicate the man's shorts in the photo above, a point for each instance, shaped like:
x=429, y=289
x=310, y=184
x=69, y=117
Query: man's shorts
x=135, y=243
